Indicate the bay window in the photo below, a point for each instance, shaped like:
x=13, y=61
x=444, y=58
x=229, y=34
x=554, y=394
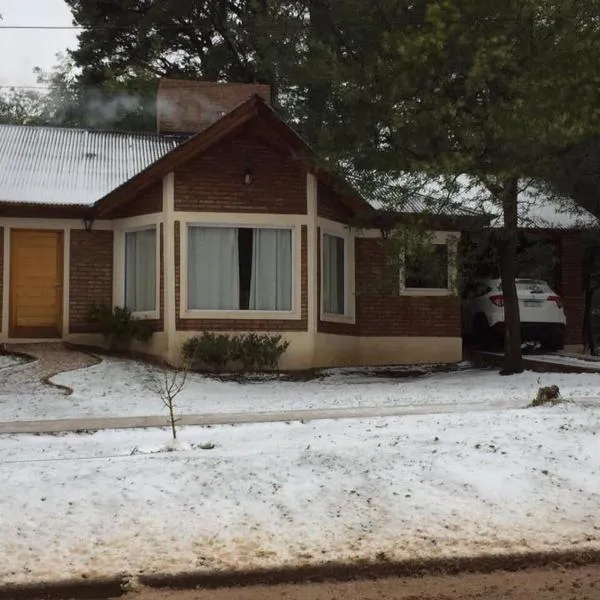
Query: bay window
x=232, y=268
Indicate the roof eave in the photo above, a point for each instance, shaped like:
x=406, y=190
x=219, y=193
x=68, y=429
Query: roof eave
x=36, y=210
x=390, y=219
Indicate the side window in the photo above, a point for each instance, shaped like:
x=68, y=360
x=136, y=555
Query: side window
x=427, y=269
x=140, y=270
x=334, y=275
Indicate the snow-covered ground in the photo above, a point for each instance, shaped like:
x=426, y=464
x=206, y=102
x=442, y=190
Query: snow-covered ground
x=10, y=360
x=279, y=494
x=118, y=387
x=587, y=363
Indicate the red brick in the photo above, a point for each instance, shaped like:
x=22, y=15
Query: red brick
x=215, y=181
x=330, y=206
x=191, y=106
x=382, y=311
x=91, y=276
x=146, y=202
x=570, y=285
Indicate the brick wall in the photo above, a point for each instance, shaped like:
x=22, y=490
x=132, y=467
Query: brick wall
x=243, y=324
x=570, y=284
x=191, y=106
x=215, y=181
x=146, y=202
x=382, y=311
x=91, y=276
x=329, y=206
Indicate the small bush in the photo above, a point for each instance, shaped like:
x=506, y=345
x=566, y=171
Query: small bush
x=119, y=327
x=547, y=395
x=260, y=351
x=214, y=350
x=219, y=350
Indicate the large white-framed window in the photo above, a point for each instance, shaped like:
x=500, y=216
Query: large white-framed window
x=240, y=271
x=430, y=268
x=141, y=271
x=337, y=273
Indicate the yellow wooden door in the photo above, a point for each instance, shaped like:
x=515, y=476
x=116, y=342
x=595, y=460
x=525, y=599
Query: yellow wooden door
x=36, y=259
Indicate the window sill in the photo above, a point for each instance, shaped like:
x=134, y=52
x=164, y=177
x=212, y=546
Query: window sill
x=148, y=315
x=348, y=319
x=245, y=315
x=426, y=292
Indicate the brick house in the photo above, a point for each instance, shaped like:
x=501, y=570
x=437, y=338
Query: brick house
x=221, y=222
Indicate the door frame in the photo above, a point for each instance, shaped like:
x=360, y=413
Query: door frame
x=37, y=332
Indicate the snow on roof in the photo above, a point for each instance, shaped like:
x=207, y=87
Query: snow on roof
x=537, y=208
x=62, y=166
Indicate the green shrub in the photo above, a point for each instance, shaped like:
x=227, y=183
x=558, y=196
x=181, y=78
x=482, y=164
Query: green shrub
x=219, y=350
x=260, y=351
x=119, y=327
x=214, y=350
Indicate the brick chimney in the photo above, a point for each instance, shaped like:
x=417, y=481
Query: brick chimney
x=185, y=106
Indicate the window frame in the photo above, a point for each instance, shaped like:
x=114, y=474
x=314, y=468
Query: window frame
x=343, y=232
x=450, y=240
x=240, y=314
x=141, y=314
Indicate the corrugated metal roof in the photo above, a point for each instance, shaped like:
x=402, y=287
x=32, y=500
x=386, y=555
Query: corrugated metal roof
x=390, y=200
x=536, y=208
x=52, y=165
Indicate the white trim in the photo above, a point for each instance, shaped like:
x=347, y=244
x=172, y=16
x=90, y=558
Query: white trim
x=311, y=246
x=170, y=308
x=342, y=231
x=236, y=222
x=6, y=284
x=449, y=239
x=120, y=270
x=66, y=281
x=230, y=219
x=139, y=222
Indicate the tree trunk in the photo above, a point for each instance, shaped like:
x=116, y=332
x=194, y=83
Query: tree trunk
x=588, y=331
x=590, y=287
x=172, y=419
x=513, y=359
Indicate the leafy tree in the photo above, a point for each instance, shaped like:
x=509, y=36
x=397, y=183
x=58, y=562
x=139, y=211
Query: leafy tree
x=480, y=87
x=21, y=107
x=260, y=41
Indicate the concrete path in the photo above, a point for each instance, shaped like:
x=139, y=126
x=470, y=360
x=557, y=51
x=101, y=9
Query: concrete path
x=51, y=358
x=95, y=423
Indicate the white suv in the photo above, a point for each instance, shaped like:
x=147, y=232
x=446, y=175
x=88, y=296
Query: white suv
x=542, y=315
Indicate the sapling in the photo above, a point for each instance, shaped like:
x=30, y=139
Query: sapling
x=167, y=383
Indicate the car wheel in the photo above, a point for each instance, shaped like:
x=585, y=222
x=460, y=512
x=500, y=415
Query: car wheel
x=553, y=344
x=481, y=332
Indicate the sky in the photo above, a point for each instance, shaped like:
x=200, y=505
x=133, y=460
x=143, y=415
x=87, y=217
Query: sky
x=26, y=49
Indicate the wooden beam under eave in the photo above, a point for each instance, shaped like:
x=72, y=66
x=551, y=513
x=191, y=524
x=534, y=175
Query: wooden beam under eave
x=31, y=210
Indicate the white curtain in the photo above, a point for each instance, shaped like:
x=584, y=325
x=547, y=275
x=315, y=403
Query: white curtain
x=333, y=275
x=271, y=278
x=140, y=270
x=213, y=268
